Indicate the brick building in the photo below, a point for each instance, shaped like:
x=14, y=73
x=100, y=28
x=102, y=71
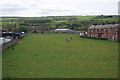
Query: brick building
x=109, y=31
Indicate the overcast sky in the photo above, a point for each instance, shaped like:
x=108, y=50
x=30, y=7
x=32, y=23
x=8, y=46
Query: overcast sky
x=37, y=8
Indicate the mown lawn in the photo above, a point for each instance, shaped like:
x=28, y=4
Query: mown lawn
x=50, y=56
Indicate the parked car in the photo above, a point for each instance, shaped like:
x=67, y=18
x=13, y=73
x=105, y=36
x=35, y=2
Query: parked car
x=14, y=35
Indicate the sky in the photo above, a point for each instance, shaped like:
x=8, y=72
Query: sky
x=38, y=8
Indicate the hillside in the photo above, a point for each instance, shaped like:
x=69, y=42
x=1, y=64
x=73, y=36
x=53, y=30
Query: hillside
x=53, y=22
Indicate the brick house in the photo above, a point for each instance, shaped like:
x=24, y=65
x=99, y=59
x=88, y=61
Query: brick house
x=109, y=31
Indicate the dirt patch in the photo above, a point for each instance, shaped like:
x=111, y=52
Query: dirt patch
x=20, y=42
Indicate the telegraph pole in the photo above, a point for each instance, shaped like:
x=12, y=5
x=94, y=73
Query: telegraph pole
x=94, y=30
x=12, y=35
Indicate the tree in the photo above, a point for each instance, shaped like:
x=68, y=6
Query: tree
x=22, y=29
x=9, y=27
x=72, y=28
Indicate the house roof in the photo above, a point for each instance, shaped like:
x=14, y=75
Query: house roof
x=2, y=29
x=104, y=26
x=61, y=29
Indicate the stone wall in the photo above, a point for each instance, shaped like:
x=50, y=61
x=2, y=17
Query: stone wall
x=9, y=44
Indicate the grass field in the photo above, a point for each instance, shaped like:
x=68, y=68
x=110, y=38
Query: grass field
x=50, y=56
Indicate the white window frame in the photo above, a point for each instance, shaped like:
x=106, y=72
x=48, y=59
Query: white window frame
x=96, y=31
x=104, y=35
x=91, y=35
x=116, y=37
x=109, y=30
x=105, y=30
x=91, y=30
x=116, y=30
x=109, y=37
x=96, y=35
x=99, y=30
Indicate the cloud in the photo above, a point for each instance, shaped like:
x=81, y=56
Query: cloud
x=57, y=7
x=11, y=9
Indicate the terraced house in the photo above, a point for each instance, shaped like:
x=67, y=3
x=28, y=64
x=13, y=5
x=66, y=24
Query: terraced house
x=109, y=31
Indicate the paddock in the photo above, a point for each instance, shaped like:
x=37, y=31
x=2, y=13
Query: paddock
x=51, y=56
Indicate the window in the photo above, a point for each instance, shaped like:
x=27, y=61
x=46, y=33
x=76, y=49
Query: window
x=116, y=30
x=96, y=30
x=104, y=35
x=91, y=30
x=116, y=36
x=105, y=30
x=91, y=35
x=96, y=35
x=99, y=30
x=113, y=37
x=109, y=30
x=108, y=36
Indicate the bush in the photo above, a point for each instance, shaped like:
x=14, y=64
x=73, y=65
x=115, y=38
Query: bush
x=22, y=29
x=93, y=38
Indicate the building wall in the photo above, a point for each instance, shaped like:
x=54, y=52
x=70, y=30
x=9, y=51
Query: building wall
x=88, y=33
x=104, y=33
x=119, y=34
x=8, y=44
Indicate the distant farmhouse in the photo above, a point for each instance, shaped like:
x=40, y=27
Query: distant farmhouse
x=110, y=31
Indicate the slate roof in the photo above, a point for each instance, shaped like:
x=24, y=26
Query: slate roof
x=104, y=26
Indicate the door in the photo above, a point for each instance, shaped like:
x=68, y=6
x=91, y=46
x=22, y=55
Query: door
x=113, y=37
x=99, y=35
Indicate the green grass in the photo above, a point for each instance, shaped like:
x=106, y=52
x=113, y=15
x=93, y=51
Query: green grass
x=60, y=21
x=6, y=23
x=87, y=18
x=50, y=56
x=108, y=19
